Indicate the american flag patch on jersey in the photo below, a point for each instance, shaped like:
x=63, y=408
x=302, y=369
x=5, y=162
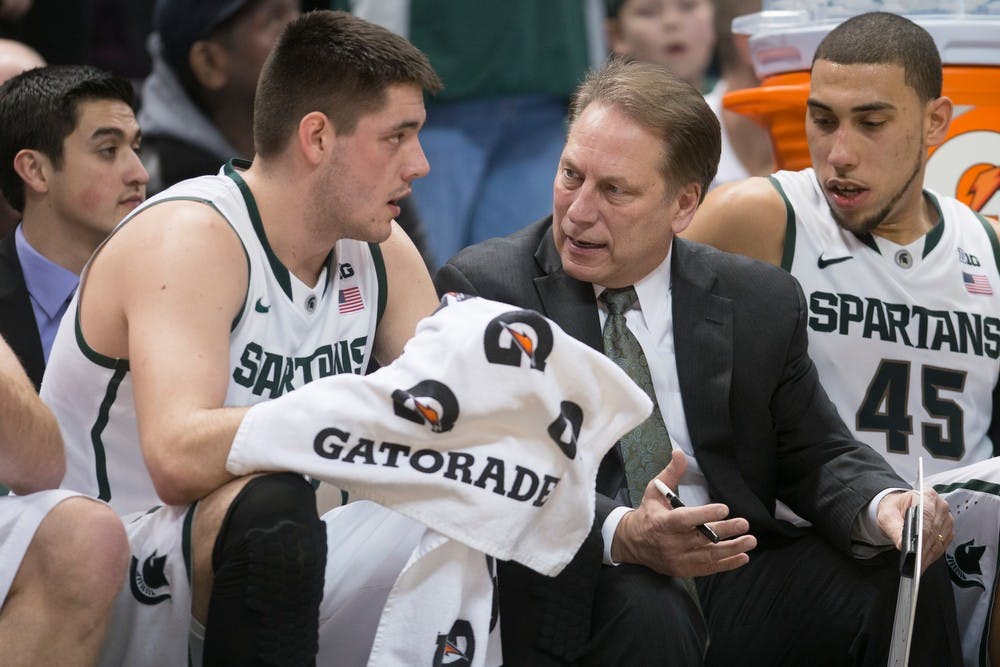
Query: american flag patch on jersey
x=349, y=300
x=976, y=283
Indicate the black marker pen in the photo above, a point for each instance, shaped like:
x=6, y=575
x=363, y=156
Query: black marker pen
x=675, y=502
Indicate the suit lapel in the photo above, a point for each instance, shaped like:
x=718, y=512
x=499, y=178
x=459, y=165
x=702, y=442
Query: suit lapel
x=564, y=299
x=571, y=304
x=703, y=345
x=17, y=320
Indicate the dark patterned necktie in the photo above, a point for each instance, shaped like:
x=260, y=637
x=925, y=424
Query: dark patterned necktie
x=646, y=448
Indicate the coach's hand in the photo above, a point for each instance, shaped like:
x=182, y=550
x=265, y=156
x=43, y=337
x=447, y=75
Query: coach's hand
x=939, y=525
x=665, y=539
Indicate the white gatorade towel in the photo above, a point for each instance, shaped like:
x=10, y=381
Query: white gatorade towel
x=489, y=430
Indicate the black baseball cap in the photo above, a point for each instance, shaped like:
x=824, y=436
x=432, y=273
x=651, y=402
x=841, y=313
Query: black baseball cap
x=181, y=23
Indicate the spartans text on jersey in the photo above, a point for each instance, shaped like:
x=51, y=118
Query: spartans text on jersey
x=262, y=371
x=910, y=325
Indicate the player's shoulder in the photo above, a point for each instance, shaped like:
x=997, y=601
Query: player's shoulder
x=747, y=217
x=760, y=190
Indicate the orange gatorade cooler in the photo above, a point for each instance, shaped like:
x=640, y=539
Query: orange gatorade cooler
x=782, y=42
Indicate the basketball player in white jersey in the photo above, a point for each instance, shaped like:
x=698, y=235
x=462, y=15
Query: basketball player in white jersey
x=62, y=555
x=902, y=283
x=229, y=290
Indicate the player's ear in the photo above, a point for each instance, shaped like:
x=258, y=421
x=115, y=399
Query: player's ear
x=315, y=136
x=937, y=118
x=34, y=168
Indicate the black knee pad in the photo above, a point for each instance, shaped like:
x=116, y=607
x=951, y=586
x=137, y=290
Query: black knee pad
x=269, y=562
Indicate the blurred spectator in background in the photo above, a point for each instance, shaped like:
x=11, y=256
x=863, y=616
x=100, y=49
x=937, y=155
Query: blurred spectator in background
x=197, y=104
x=109, y=34
x=746, y=146
x=61, y=31
x=494, y=135
x=678, y=34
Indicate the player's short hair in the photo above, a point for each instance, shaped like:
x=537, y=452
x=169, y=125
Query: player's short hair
x=39, y=108
x=880, y=38
x=665, y=105
x=334, y=63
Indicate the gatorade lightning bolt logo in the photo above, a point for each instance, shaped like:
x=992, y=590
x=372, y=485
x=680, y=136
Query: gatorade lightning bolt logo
x=456, y=648
x=428, y=402
x=978, y=185
x=965, y=167
x=518, y=338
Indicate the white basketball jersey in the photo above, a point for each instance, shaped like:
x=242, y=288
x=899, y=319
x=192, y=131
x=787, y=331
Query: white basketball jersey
x=906, y=339
x=286, y=335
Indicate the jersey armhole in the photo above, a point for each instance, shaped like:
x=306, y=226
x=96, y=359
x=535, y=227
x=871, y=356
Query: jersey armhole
x=383, y=287
x=788, y=245
x=992, y=235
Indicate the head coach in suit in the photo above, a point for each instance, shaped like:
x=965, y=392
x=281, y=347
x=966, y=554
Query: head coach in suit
x=751, y=431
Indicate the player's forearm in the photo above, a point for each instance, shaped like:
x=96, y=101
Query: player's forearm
x=32, y=457
x=187, y=461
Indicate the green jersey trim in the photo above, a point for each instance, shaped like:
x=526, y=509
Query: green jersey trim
x=937, y=231
x=186, y=539
x=100, y=455
x=89, y=352
x=869, y=241
x=977, y=485
x=383, y=287
x=788, y=250
x=277, y=268
x=992, y=234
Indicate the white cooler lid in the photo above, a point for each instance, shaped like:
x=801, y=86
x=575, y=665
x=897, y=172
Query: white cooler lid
x=783, y=37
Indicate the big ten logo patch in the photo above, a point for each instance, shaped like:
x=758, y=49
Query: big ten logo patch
x=967, y=167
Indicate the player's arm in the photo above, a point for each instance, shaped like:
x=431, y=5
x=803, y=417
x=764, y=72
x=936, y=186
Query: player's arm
x=747, y=217
x=187, y=280
x=411, y=295
x=32, y=457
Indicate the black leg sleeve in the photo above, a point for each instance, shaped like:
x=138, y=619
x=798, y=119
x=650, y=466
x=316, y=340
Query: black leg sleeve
x=269, y=562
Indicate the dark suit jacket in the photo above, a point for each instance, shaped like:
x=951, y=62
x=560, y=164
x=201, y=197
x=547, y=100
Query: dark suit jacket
x=17, y=320
x=761, y=425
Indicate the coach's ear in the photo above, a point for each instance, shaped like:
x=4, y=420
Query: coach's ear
x=316, y=136
x=683, y=207
x=34, y=168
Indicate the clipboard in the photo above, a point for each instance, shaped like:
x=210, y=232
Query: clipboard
x=909, y=576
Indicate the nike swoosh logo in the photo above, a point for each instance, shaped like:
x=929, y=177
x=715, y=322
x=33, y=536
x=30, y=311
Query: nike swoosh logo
x=823, y=263
x=260, y=307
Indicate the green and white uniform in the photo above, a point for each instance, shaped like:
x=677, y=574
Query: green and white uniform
x=285, y=335
x=973, y=494
x=906, y=339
